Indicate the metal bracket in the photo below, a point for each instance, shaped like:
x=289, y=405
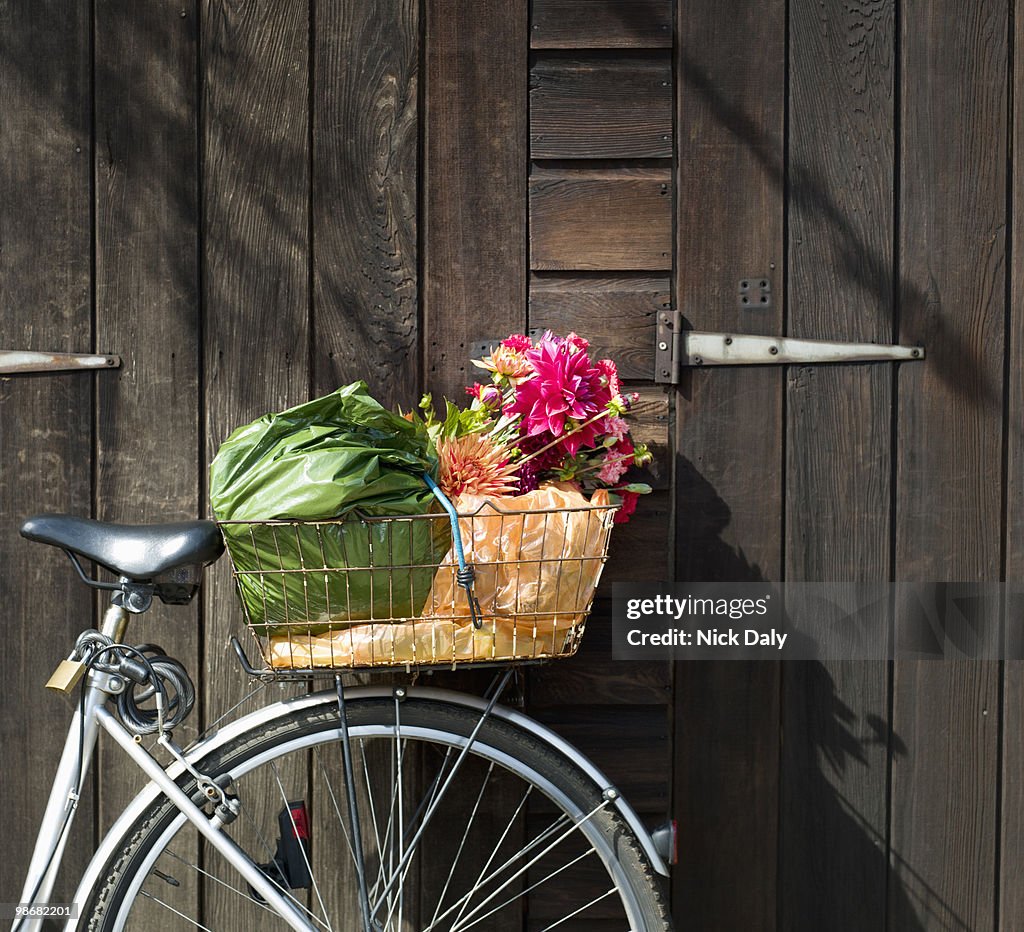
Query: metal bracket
x=667, y=346
x=675, y=348
x=755, y=293
x=15, y=362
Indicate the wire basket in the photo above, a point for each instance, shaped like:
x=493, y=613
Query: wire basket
x=389, y=592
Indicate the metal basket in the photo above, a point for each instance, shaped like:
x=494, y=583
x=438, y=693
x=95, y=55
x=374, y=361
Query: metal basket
x=386, y=592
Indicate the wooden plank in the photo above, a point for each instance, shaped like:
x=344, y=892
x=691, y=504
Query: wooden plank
x=629, y=744
x=639, y=551
x=730, y=106
x=833, y=863
x=650, y=420
x=576, y=925
x=594, y=24
x=255, y=284
x=1010, y=904
x=608, y=219
x=952, y=247
x=365, y=309
x=45, y=434
x=617, y=314
x=474, y=230
x=147, y=299
x=557, y=895
x=364, y=198
x=594, y=674
x=601, y=108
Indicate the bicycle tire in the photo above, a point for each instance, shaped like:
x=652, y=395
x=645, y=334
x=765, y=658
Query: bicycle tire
x=500, y=744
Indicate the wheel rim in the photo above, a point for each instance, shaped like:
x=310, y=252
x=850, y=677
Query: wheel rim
x=541, y=859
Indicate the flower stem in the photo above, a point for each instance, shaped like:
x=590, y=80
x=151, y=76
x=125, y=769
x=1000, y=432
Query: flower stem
x=558, y=440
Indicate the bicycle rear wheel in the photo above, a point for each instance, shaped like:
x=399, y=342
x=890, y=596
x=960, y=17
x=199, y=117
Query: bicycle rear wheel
x=519, y=838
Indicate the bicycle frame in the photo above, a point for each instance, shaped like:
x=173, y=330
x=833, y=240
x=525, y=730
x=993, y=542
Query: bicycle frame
x=78, y=751
x=164, y=783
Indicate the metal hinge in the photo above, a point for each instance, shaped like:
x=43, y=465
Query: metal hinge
x=675, y=348
x=16, y=362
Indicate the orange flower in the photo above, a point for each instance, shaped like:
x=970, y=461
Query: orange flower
x=475, y=465
x=506, y=361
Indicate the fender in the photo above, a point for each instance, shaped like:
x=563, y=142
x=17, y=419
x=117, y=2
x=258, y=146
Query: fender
x=217, y=739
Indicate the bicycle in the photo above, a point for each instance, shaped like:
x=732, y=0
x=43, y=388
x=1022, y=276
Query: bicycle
x=363, y=808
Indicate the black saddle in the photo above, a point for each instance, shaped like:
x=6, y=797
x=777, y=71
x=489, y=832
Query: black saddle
x=141, y=553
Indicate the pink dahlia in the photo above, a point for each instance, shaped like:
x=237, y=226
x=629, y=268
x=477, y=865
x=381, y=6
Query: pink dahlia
x=565, y=388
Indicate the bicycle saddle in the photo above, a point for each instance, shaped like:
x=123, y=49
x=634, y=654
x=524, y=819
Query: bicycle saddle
x=137, y=552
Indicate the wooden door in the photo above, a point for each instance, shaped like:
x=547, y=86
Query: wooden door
x=253, y=202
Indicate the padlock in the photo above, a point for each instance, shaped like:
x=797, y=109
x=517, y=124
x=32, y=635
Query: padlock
x=65, y=678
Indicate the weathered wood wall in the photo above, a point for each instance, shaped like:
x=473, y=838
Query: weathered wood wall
x=252, y=202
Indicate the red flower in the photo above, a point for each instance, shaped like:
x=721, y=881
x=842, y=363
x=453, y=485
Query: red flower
x=609, y=370
x=577, y=342
x=629, y=500
x=518, y=343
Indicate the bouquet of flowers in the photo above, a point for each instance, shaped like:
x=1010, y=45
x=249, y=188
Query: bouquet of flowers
x=534, y=466
x=549, y=413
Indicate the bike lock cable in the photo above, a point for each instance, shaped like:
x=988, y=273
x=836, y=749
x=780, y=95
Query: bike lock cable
x=464, y=576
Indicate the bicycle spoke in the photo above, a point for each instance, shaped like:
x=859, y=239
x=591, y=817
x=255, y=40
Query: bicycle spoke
x=399, y=834
x=497, y=848
x=596, y=899
x=334, y=803
x=283, y=885
x=462, y=843
x=177, y=912
x=302, y=848
x=464, y=900
x=428, y=815
x=246, y=896
x=391, y=833
x=461, y=838
x=381, y=873
x=220, y=718
x=401, y=812
x=522, y=870
x=525, y=891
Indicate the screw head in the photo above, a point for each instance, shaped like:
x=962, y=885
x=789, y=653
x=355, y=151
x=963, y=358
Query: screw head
x=698, y=360
x=774, y=350
x=663, y=345
x=728, y=341
x=915, y=353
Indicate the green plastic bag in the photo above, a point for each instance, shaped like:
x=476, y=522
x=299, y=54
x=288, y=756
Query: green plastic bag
x=322, y=460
